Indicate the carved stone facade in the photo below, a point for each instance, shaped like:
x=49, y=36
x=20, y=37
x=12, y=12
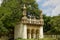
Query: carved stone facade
x=29, y=28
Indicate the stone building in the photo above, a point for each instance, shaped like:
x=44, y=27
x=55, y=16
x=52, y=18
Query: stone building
x=29, y=28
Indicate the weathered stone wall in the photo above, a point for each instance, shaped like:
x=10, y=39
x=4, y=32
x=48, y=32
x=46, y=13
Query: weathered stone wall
x=20, y=31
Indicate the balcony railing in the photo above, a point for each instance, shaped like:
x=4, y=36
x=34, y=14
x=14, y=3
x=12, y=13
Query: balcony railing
x=32, y=21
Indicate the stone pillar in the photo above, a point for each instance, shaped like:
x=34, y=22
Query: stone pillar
x=34, y=34
x=30, y=34
x=24, y=32
x=41, y=32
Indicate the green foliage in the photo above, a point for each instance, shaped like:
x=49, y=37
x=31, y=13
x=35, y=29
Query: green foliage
x=55, y=22
x=51, y=24
x=39, y=39
x=47, y=25
x=11, y=13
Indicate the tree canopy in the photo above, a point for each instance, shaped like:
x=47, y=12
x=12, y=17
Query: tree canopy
x=11, y=13
x=55, y=22
x=52, y=24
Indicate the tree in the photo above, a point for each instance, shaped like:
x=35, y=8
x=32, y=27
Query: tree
x=11, y=12
x=55, y=22
x=47, y=25
x=3, y=30
x=51, y=24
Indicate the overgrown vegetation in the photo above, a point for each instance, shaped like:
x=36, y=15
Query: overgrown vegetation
x=39, y=39
x=52, y=24
x=11, y=13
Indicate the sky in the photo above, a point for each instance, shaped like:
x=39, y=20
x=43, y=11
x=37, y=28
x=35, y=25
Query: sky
x=49, y=7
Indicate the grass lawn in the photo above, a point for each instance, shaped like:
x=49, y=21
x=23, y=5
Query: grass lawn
x=40, y=39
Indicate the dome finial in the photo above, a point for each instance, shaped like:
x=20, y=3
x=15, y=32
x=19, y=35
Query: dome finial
x=24, y=6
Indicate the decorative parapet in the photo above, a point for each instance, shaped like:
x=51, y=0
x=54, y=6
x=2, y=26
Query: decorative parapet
x=32, y=21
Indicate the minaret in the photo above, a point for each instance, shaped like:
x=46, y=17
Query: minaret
x=41, y=27
x=24, y=12
x=41, y=18
x=24, y=27
x=21, y=29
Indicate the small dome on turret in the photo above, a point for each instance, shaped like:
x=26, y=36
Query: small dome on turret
x=24, y=7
